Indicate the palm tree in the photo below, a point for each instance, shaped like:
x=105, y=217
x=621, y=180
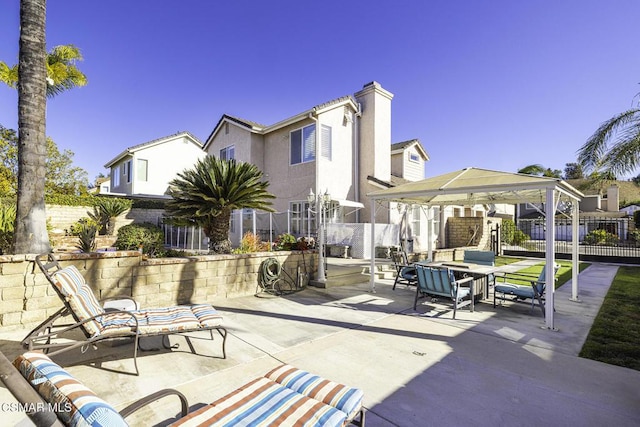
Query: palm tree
x=207, y=194
x=614, y=149
x=62, y=73
x=30, y=234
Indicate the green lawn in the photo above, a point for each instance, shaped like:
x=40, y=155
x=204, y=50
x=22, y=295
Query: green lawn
x=563, y=275
x=614, y=337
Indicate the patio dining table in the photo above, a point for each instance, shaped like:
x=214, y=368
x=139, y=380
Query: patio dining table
x=479, y=272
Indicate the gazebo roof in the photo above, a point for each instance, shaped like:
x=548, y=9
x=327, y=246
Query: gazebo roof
x=471, y=186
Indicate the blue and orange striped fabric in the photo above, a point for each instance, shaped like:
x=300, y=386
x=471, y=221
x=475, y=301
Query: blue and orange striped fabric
x=74, y=404
x=347, y=399
x=263, y=402
x=149, y=321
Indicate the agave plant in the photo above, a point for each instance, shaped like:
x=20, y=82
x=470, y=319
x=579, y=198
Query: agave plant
x=87, y=237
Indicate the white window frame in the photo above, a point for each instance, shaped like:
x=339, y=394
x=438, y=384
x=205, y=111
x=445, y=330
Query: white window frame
x=416, y=214
x=414, y=157
x=142, y=170
x=306, y=139
x=115, y=177
x=228, y=152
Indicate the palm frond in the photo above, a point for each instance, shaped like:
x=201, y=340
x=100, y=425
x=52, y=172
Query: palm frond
x=592, y=155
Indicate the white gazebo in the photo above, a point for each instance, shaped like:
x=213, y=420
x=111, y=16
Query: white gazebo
x=473, y=186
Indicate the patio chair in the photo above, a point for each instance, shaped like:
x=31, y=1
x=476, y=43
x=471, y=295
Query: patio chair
x=99, y=324
x=283, y=396
x=440, y=282
x=405, y=272
x=505, y=291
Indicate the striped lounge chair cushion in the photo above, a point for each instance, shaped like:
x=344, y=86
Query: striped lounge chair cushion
x=347, y=399
x=74, y=404
x=263, y=402
x=80, y=297
x=162, y=320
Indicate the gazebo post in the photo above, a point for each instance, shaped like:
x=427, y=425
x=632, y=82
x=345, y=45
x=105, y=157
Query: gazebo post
x=550, y=237
x=575, y=254
x=372, y=268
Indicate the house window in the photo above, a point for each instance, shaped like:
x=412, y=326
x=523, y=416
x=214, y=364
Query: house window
x=413, y=157
x=127, y=171
x=228, y=153
x=325, y=141
x=115, y=177
x=415, y=220
x=303, y=221
x=226, y=128
x=303, y=145
x=142, y=169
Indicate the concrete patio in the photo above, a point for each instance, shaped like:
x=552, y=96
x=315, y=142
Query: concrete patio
x=491, y=367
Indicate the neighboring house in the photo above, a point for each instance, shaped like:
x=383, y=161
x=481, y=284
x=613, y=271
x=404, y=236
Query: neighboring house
x=104, y=185
x=145, y=170
x=341, y=147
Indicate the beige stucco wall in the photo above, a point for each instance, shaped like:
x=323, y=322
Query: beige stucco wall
x=62, y=217
x=26, y=297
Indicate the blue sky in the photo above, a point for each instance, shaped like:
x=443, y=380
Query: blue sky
x=492, y=84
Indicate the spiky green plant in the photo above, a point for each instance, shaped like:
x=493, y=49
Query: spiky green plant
x=207, y=194
x=7, y=221
x=87, y=237
x=105, y=212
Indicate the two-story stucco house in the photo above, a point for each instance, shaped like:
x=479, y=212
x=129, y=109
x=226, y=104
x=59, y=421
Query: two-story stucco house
x=341, y=148
x=145, y=170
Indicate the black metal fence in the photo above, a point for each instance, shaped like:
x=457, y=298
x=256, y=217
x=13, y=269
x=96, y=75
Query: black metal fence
x=600, y=239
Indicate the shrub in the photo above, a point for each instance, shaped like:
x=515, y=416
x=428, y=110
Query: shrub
x=80, y=226
x=634, y=236
x=146, y=236
x=251, y=243
x=286, y=242
x=508, y=230
x=636, y=218
x=519, y=237
x=600, y=237
x=7, y=220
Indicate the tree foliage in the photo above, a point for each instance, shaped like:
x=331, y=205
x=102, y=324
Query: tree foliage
x=614, y=148
x=62, y=72
x=539, y=170
x=573, y=171
x=61, y=177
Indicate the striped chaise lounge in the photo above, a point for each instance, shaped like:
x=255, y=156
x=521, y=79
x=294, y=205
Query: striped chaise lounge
x=98, y=324
x=285, y=396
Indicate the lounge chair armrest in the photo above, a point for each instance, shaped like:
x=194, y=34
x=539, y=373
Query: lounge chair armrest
x=118, y=297
x=184, y=404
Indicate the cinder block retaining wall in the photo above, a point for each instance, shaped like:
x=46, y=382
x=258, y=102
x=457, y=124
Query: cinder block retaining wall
x=27, y=298
x=62, y=217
